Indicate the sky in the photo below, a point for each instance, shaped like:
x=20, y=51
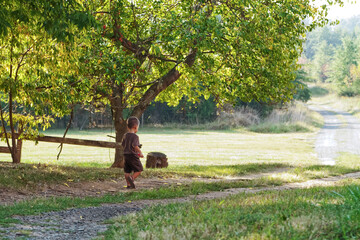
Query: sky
x=347, y=11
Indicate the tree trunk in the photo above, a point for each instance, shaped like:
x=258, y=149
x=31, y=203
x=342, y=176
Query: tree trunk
x=19, y=149
x=121, y=129
x=119, y=124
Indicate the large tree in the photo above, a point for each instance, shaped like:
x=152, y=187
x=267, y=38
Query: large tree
x=150, y=50
x=38, y=73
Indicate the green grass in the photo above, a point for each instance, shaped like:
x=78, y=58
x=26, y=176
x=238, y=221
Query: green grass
x=316, y=213
x=318, y=91
x=213, y=154
x=183, y=147
x=40, y=205
x=280, y=128
x=37, y=206
x=330, y=98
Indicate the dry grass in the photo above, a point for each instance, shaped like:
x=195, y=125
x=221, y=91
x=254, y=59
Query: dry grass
x=241, y=117
x=292, y=114
x=294, y=118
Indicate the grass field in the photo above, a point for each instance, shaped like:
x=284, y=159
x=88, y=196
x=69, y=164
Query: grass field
x=315, y=213
x=183, y=147
x=191, y=153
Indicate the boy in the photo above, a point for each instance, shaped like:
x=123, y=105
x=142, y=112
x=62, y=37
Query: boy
x=132, y=152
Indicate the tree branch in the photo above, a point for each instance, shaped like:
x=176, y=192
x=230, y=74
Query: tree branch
x=161, y=84
x=100, y=12
x=67, y=129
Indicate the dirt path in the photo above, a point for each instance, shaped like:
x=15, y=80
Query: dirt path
x=341, y=133
x=86, y=223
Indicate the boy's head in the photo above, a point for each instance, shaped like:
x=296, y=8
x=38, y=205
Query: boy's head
x=133, y=123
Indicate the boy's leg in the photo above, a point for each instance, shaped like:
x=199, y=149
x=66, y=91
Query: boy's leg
x=135, y=175
x=127, y=175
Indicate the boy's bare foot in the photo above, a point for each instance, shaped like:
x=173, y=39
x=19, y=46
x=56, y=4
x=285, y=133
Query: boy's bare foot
x=131, y=181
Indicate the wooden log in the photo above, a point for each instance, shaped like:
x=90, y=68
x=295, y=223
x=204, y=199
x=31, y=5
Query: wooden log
x=4, y=150
x=82, y=142
x=75, y=141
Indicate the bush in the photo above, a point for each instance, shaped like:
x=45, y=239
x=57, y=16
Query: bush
x=317, y=91
x=302, y=92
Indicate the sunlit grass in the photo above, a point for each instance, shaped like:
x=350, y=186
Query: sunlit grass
x=315, y=213
x=182, y=147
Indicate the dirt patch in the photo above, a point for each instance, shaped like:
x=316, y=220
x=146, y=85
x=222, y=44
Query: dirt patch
x=99, y=188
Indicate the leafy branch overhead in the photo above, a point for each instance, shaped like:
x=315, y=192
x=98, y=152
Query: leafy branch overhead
x=230, y=49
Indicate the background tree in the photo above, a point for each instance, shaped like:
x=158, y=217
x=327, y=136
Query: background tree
x=322, y=60
x=37, y=72
x=346, y=58
x=163, y=50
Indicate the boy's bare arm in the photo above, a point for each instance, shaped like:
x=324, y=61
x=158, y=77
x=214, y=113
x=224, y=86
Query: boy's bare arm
x=137, y=149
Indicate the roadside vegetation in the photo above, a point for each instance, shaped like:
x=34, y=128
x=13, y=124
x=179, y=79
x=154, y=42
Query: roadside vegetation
x=315, y=213
x=326, y=94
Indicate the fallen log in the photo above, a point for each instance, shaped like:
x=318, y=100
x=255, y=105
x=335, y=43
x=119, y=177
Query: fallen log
x=75, y=141
x=4, y=150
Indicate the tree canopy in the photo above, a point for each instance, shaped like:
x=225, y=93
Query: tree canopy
x=135, y=52
x=37, y=71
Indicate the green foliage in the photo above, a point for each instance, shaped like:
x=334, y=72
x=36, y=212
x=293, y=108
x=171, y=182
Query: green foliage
x=345, y=57
x=137, y=52
x=302, y=91
x=330, y=36
x=186, y=112
x=149, y=40
x=335, y=56
x=322, y=60
x=38, y=69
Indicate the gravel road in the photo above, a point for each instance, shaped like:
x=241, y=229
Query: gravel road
x=340, y=133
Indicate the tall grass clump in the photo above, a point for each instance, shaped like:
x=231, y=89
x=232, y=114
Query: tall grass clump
x=241, y=117
x=292, y=118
